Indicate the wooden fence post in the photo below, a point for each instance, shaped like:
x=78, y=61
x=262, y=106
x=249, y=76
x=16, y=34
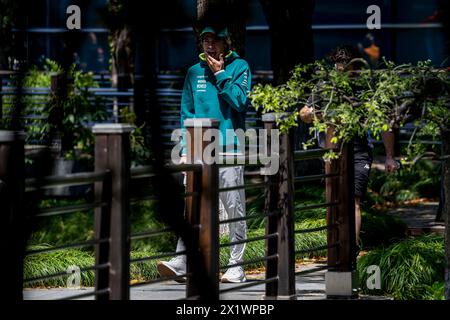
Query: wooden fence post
x=112, y=152
x=13, y=234
x=271, y=205
x=445, y=134
x=280, y=197
x=206, y=184
x=341, y=278
x=1, y=97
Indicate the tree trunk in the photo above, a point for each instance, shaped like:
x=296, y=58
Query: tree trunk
x=444, y=10
x=444, y=18
x=291, y=44
x=6, y=14
x=290, y=33
x=122, y=54
x=121, y=45
x=14, y=14
x=122, y=61
x=226, y=13
x=202, y=7
x=446, y=207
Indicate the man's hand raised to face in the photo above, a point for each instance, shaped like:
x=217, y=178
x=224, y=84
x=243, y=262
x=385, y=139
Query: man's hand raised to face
x=213, y=64
x=307, y=114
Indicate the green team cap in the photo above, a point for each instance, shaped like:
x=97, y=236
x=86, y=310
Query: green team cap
x=221, y=34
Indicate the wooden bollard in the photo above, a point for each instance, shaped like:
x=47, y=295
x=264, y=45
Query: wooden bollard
x=279, y=197
x=13, y=235
x=204, y=210
x=112, y=152
x=341, y=277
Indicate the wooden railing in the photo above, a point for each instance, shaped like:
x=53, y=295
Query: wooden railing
x=112, y=198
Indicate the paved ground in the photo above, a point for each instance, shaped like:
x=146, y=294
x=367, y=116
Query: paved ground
x=309, y=286
x=420, y=218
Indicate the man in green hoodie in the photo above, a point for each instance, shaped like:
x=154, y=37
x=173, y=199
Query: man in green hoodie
x=218, y=87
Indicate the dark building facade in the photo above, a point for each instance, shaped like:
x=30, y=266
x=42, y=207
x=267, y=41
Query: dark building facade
x=410, y=31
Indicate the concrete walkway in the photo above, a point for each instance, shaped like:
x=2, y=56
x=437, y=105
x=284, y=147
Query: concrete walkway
x=309, y=287
x=420, y=218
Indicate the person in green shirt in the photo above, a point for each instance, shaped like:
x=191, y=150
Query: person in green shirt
x=218, y=87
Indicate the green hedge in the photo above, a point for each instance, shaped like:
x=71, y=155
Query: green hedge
x=54, y=262
x=410, y=269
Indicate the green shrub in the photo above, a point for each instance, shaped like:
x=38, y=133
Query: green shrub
x=305, y=195
x=301, y=215
x=45, y=264
x=145, y=270
x=140, y=153
x=255, y=206
x=410, y=269
x=143, y=219
x=79, y=107
x=379, y=229
x=59, y=261
x=311, y=192
x=303, y=241
x=79, y=226
x=64, y=228
x=306, y=241
x=413, y=181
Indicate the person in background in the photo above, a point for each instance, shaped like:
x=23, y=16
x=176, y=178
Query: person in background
x=369, y=50
x=363, y=158
x=218, y=87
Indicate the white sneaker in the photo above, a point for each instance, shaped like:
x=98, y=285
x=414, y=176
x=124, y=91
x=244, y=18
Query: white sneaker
x=234, y=275
x=174, y=267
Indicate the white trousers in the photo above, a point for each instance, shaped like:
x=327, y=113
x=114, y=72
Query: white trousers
x=233, y=204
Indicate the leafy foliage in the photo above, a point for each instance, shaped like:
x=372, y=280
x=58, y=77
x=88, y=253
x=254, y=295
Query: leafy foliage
x=410, y=269
x=414, y=180
x=78, y=109
x=46, y=264
x=355, y=102
x=303, y=241
x=140, y=153
x=380, y=229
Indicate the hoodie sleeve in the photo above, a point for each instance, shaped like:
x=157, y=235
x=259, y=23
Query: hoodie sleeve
x=234, y=88
x=187, y=109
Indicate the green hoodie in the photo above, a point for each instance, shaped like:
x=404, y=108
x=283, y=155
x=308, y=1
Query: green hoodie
x=222, y=96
